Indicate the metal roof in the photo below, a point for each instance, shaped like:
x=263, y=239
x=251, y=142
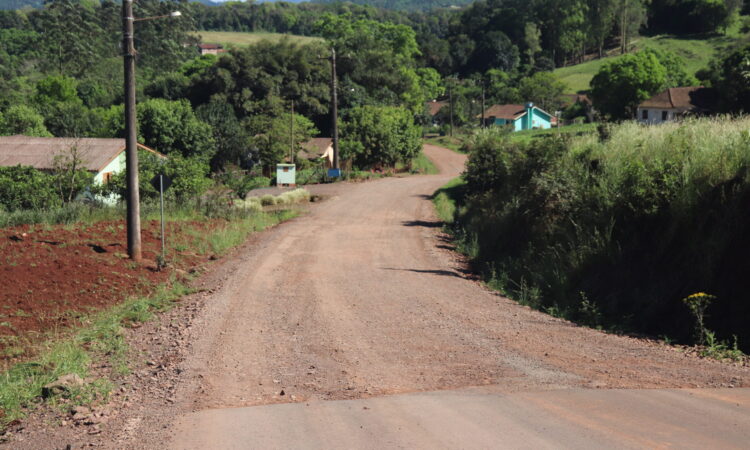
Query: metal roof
x=40, y=152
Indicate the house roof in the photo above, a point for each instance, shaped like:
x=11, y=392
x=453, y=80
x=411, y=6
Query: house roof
x=315, y=148
x=572, y=99
x=40, y=152
x=210, y=46
x=435, y=106
x=694, y=98
x=510, y=112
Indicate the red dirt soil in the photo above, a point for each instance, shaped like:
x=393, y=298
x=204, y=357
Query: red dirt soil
x=52, y=276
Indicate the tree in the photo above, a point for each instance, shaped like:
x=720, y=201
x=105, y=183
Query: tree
x=495, y=50
x=363, y=46
x=232, y=140
x=275, y=141
x=263, y=78
x=630, y=15
x=675, y=69
x=377, y=136
x=22, y=119
x=70, y=174
x=172, y=127
x=622, y=84
x=544, y=89
x=500, y=88
x=734, y=81
x=532, y=41
x=601, y=18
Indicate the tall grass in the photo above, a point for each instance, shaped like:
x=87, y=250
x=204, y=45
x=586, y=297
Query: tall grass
x=613, y=229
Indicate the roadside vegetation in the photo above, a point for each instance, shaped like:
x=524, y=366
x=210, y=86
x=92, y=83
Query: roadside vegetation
x=614, y=229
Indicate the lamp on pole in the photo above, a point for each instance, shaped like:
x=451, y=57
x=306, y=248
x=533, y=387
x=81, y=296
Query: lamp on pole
x=131, y=145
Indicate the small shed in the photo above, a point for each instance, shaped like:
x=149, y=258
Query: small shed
x=286, y=175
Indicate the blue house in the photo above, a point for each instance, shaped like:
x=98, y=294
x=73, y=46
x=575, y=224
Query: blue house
x=519, y=117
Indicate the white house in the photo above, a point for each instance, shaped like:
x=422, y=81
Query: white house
x=102, y=157
x=675, y=103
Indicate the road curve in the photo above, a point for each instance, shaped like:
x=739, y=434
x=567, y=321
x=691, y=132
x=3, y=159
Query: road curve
x=358, y=326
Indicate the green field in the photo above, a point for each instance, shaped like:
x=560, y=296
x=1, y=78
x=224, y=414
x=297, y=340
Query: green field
x=237, y=39
x=696, y=51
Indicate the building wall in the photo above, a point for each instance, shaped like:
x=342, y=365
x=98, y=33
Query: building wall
x=115, y=166
x=540, y=120
x=655, y=115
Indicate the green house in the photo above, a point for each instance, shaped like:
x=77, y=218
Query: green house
x=519, y=117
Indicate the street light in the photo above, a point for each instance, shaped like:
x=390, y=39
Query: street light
x=131, y=150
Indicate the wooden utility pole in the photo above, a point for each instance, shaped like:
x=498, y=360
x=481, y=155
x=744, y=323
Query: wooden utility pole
x=291, y=136
x=131, y=146
x=450, y=100
x=483, y=123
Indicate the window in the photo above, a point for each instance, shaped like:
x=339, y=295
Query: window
x=664, y=115
x=644, y=115
x=106, y=177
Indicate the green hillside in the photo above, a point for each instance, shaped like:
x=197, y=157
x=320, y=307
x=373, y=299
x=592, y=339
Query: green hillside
x=696, y=51
x=231, y=38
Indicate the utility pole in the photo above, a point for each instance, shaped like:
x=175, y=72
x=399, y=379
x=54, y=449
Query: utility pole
x=131, y=149
x=291, y=136
x=483, y=123
x=450, y=100
x=335, y=110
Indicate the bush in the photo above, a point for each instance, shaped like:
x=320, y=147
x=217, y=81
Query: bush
x=23, y=187
x=377, y=136
x=189, y=177
x=616, y=232
x=268, y=200
x=293, y=197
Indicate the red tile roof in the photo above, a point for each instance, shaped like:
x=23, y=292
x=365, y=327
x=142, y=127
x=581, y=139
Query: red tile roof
x=508, y=112
x=683, y=99
x=434, y=107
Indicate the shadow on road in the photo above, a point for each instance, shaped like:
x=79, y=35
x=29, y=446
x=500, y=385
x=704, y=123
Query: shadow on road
x=421, y=223
x=446, y=273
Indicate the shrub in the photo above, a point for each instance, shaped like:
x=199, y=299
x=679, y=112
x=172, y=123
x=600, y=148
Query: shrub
x=23, y=187
x=268, y=200
x=617, y=231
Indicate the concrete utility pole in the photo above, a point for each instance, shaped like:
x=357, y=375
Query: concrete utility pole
x=335, y=109
x=131, y=147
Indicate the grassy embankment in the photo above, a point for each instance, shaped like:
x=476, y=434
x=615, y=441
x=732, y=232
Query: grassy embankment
x=696, y=51
x=615, y=231
x=100, y=336
x=238, y=39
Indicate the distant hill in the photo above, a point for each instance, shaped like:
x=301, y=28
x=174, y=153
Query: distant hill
x=406, y=5
x=20, y=4
x=696, y=51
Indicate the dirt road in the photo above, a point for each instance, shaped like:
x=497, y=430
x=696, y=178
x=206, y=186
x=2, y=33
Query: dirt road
x=364, y=298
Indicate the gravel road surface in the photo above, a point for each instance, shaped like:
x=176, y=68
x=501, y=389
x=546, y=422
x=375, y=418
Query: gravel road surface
x=356, y=325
